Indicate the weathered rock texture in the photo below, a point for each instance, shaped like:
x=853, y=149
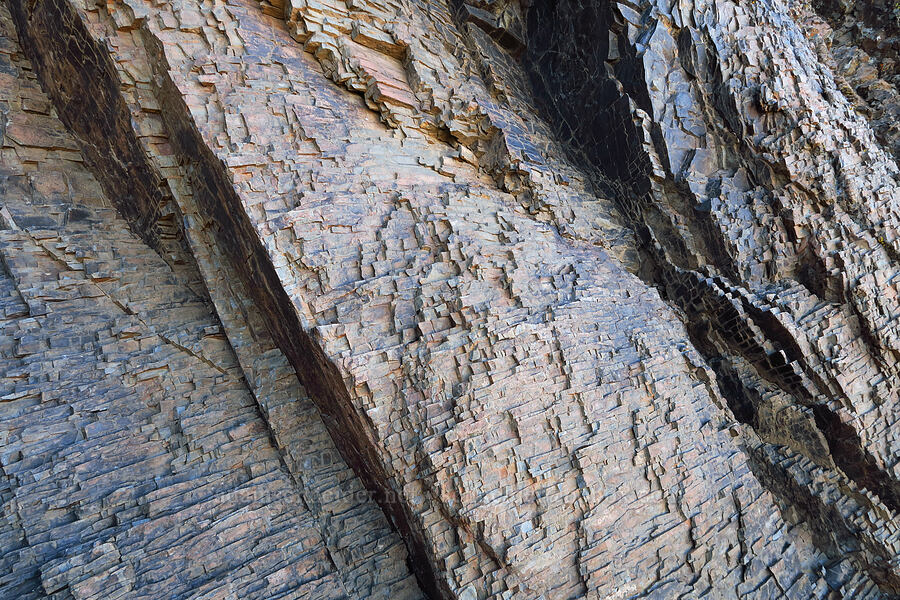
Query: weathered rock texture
x=449, y=300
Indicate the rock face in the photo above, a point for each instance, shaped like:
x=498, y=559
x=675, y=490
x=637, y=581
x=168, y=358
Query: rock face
x=449, y=299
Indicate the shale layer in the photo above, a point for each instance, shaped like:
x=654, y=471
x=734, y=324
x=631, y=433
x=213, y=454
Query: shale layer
x=449, y=299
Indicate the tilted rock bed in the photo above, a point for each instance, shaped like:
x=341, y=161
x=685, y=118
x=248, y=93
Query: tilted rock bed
x=444, y=299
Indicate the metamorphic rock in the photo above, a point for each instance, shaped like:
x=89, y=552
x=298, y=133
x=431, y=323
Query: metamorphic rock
x=449, y=300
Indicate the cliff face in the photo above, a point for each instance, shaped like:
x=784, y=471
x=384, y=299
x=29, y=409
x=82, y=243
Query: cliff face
x=449, y=300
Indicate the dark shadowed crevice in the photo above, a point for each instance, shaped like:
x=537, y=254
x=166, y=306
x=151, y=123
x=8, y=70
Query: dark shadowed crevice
x=850, y=455
x=586, y=75
x=742, y=401
x=575, y=60
x=830, y=531
x=81, y=81
x=588, y=79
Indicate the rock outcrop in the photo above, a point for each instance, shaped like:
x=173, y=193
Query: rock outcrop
x=449, y=299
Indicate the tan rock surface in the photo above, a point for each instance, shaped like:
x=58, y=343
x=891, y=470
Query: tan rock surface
x=446, y=299
x=135, y=460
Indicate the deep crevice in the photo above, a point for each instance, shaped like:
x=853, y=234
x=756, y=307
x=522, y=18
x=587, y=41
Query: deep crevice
x=855, y=461
x=829, y=528
x=583, y=107
x=718, y=317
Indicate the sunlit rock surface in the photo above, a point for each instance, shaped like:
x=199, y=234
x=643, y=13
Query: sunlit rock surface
x=449, y=300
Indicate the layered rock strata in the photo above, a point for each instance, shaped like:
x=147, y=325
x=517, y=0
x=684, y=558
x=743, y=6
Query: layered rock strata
x=444, y=299
x=142, y=454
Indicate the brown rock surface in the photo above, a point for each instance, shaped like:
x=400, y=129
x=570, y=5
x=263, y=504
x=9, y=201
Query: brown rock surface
x=136, y=460
x=445, y=299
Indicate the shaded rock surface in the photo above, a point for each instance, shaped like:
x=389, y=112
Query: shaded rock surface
x=445, y=299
